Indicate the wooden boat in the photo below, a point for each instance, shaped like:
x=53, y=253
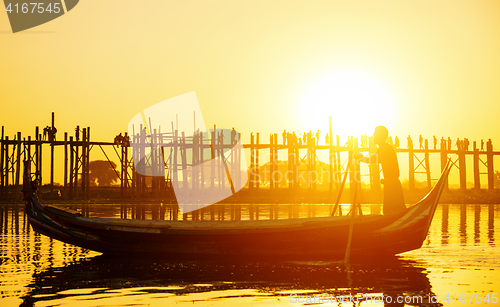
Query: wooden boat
x=311, y=238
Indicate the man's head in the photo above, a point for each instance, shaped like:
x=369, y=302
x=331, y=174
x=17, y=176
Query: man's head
x=380, y=135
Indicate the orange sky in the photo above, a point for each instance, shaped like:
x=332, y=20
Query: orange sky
x=253, y=65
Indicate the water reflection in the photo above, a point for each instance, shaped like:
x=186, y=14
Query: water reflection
x=444, y=224
x=36, y=270
x=463, y=224
x=103, y=276
x=491, y=225
x=477, y=219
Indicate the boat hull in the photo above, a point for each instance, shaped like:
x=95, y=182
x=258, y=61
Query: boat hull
x=305, y=238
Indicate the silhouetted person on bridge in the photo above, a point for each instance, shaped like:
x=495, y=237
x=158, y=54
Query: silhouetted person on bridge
x=233, y=136
x=466, y=144
x=45, y=132
x=387, y=157
x=420, y=140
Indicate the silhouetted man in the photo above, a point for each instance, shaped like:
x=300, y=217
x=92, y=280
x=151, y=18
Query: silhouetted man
x=233, y=136
x=387, y=157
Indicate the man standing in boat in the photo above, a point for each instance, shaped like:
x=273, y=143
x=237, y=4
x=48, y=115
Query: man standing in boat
x=387, y=157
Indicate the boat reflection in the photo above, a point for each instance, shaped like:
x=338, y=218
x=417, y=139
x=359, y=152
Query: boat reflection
x=35, y=268
x=108, y=276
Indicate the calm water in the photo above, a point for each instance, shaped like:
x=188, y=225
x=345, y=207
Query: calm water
x=459, y=265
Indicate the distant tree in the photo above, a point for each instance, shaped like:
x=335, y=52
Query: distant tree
x=102, y=173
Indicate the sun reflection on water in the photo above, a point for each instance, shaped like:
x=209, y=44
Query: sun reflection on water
x=459, y=256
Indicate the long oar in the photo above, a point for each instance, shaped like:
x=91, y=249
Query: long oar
x=351, y=226
x=337, y=202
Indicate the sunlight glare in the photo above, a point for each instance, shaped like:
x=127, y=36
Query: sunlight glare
x=356, y=101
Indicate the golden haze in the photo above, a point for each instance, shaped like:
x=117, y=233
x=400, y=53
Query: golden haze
x=252, y=63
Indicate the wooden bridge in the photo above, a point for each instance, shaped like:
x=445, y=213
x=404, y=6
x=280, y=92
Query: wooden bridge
x=299, y=170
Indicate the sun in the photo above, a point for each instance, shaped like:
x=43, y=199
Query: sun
x=356, y=100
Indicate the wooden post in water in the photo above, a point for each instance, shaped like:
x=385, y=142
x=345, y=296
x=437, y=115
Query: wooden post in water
x=477, y=182
x=427, y=164
x=338, y=163
x=251, y=176
x=175, y=175
x=331, y=158
x=489, y=163
x=133, y=187
x=18, y=164
x=52, y=139
x=87, y=168
x=77, y=161
x=28, y=152
x=202, y=159
x=65, y=179
x=356, y=164
x=2, y=172
x=290, y=152
x=84, y=162
x=7, y=166
x=411, y=166
x=35, y=160
x=71, y=167
x=137, y=155
x=276, y=162
x=461, y=166
x=185, y=185
x=154, y=164
x=213, y=145
x=311, y=163
x=257, y=161
x=40, y=164
x=271, y=162
x=296, y=163
x=143, y=154
x=238, y=161
x=123, y=164
x=196, y=159
x=444, y=158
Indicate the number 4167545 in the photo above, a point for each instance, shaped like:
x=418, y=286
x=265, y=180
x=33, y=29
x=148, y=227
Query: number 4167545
x=33, y=8
x=471, y=298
